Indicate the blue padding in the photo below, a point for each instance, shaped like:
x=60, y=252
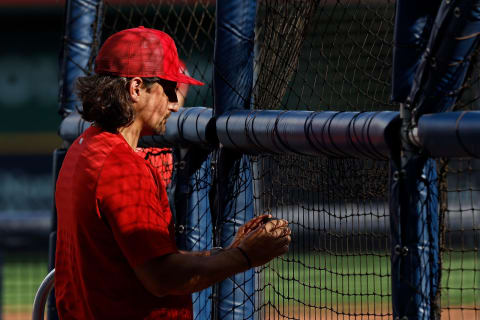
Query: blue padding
x=459, y=133
x=232, y=87
x=380, y=132
x=233, y=56
x=335, y=134
x=415, y=239
x=445, y=62
x=72, y=126
x=187, y=126
x=82, y=34
x=192, y=211
x=236, y=294
x=413, y=22
x=290, y=131
x=331, y=133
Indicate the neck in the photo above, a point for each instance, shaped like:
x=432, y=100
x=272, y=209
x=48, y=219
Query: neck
x=131, y=134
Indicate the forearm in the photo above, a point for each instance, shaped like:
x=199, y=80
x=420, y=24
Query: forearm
x=188, y=272
x=196, y=253
x=209, y=269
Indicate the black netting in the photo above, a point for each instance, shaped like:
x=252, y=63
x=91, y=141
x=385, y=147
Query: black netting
x=320, y=55
x=325, y=56
x=338, y=263
x=460, y=212
x=460, y=219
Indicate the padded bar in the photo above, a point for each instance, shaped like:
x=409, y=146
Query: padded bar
x=187, y=126
x=381, y=134
x=193, y=124
x=291, y=134
x=72, y=126
x=262, y=129
x=458, y=132
x=330, y=133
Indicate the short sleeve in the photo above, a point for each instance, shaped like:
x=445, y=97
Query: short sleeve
x=128, y=198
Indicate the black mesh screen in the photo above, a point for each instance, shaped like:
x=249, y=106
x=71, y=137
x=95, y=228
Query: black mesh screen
x=323, y=55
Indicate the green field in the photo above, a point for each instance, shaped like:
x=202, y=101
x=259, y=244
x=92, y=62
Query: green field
x=308, y=279
x=326, y=280
x=461, y=279
x=22, y=274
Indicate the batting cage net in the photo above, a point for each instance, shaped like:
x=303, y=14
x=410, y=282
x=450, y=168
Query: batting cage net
x=325, y=56
x=316, y=56
x=459, y=197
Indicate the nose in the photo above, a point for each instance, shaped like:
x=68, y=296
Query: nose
x=173, y=106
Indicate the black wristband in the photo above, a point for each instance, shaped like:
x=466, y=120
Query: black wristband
x=246, y=257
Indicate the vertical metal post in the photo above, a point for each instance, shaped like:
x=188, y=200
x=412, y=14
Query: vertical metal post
x=414, y=228
x=83, y=22
x=191, y=208
x=233, y=82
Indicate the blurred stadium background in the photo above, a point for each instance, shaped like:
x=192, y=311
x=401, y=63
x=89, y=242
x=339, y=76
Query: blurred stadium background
x=31, y=32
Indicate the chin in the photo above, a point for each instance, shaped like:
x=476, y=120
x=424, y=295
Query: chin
x=160, y=130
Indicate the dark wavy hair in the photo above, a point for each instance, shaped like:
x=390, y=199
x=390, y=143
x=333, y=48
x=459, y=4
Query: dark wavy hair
x=106, y=100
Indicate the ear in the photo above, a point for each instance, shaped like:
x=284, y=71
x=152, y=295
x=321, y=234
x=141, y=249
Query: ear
x=134, y=88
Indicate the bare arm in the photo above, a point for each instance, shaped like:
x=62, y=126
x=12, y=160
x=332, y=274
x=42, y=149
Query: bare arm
x=183, y=273
x=188, y=272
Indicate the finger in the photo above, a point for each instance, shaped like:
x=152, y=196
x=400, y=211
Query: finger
x=256, y=220
x=281, y=223
x=241, y=230
x=286, y=232
x=255, y=231
x=264, y=216
x=250, y=226
x=271, y=225
x=279, y=232
x=285, y=241
x=275, y=224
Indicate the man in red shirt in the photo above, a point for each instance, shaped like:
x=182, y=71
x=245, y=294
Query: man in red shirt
x=116, y=255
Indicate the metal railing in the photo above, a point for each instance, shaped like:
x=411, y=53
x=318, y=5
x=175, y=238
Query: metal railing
x=42, y=295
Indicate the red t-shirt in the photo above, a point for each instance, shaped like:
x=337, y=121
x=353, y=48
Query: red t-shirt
x=113, y=215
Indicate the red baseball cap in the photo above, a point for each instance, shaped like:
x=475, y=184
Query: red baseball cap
x=141, y=52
